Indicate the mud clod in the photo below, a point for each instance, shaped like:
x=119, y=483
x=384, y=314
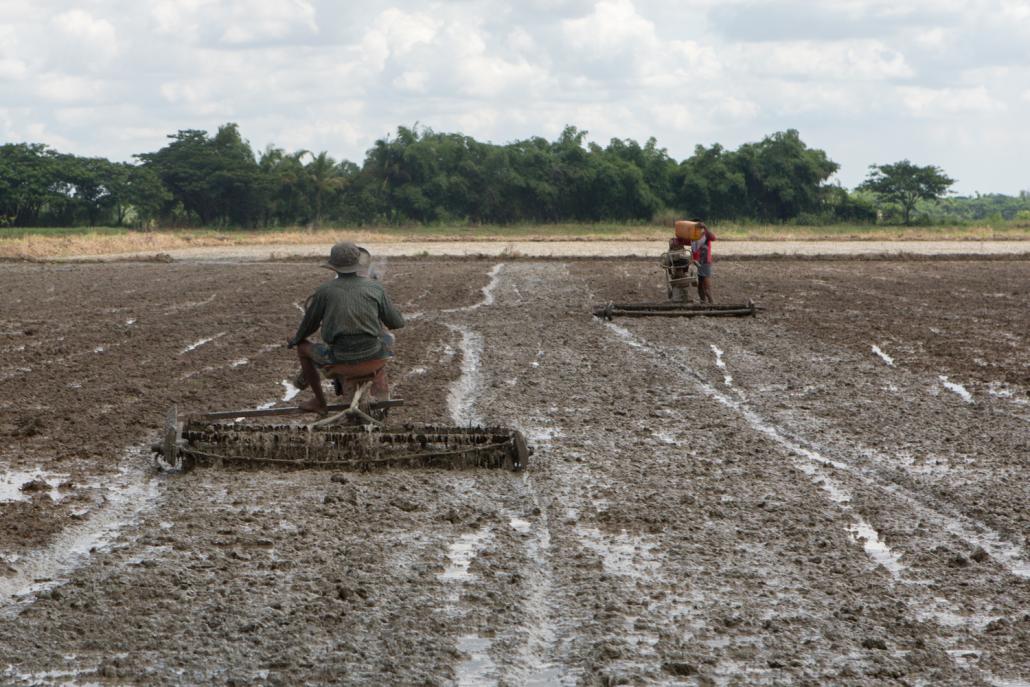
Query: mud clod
x=34, y=487
x=980, y=555
x=31, y=427
x=679, y=668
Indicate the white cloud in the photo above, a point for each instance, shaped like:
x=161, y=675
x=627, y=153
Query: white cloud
x=521, y=41
x=486, y=77
x=614, y=26
x=841, y=60
x=12, y=69
x=397, y=33
x=177, y=18
x=413, y=81
x=936, y=38
x=1015, y=10
x=69, y=88
x=94, y=39
x=933, y=103
x=233, y=22
x=249, y=22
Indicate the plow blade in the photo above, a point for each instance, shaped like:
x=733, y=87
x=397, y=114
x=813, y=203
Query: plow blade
x=205, y=443
x=675, y=309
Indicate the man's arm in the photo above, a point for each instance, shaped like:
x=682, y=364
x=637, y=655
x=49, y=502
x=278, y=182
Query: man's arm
x=312, y=318
x=388, y=314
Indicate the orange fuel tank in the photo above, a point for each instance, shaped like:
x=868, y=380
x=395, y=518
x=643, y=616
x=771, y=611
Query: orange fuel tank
x=687, y=230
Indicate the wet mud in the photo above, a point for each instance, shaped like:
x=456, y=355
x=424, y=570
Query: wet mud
x=833, y=492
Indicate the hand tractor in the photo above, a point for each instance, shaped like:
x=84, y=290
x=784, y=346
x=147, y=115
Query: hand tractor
x=681, y=273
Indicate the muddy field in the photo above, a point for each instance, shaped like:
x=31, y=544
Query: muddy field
x=834, y=492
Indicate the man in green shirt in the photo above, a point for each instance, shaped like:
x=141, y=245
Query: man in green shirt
x=352, y=311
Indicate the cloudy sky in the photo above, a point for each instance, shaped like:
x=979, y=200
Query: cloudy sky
x=943, y=82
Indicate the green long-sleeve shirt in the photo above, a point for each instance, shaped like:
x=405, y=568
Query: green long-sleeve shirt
x=351, y=310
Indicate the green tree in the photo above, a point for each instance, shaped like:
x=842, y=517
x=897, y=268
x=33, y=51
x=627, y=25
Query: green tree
x=323, y=177
x=28, y=182
x=711, y=184
x=216, y=179
x=905, y=184
x=142, y=192
x=784, y=177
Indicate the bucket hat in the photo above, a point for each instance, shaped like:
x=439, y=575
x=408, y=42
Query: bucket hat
x=347, y=258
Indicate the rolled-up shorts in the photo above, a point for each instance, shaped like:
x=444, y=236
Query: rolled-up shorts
x=704, y=269
x=322, y=354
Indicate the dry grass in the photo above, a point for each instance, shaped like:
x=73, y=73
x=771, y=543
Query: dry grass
x=108, y=242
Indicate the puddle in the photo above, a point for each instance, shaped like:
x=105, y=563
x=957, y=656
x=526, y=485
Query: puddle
x=543, y=435
x=488, y=291
x=625, y=335
x=127, y=494
x=727, y=379
x=666, y=438
x=1001, y=390
x=477, y=669
x=197, y=344
x=538, y=654
x=622, y=554
x=190, y=304
x=883, y=356
x=461, y=553
x=461, y=396
x=956, y=388
x=519, y=525
x=1006, y=682
x=837, y=494
x=50, y=677
x=11, y=482
x=289, y=392
x=875, y=548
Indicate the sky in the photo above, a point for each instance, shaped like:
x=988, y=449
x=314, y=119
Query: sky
x=941, y=82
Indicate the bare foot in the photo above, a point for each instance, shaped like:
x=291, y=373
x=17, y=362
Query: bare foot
x=312, y=406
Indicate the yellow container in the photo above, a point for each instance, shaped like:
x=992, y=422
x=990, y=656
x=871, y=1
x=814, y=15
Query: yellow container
x=687, y=230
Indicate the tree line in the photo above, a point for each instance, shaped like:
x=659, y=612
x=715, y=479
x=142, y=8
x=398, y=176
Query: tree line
x=422, y=176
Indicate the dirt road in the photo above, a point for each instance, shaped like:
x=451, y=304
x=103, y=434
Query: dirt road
x=597, y=249
x=833, y=492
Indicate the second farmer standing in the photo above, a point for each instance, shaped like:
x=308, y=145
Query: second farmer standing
x=702, y=251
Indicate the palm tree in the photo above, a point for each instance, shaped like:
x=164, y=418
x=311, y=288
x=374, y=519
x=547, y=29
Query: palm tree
x=324, y=176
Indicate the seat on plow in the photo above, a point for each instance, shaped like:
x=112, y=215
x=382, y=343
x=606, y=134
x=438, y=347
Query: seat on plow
x=353, y=375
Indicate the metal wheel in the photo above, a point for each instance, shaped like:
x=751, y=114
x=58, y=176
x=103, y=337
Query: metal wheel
x=521, y=452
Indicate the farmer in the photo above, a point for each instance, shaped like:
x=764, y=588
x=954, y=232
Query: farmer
x=353, y=311
x=702, y=251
